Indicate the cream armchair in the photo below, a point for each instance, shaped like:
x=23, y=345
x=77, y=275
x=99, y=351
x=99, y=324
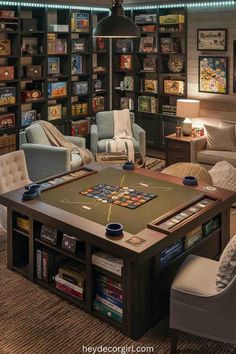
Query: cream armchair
x=13, y=175
x=197, y=308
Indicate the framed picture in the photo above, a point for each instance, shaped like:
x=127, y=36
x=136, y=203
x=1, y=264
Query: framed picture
x=213, y=74
x=212, y=39
x=234, y=69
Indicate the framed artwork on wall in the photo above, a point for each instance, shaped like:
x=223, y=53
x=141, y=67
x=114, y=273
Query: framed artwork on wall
x=212, y=39
x=234, y=69
x=213, y=74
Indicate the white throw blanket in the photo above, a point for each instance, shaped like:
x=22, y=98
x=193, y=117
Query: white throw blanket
x=123, y=136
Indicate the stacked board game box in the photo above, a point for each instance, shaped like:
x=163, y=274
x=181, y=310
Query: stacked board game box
x=47, y=264
x=127, y=103
x=147, y=104
x=109, y=298
x=98, y=104
x=108, y=261
x=71, y=280
x=171, y=252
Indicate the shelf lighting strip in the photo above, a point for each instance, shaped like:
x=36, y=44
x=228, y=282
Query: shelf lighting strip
x=211, y=4
x=54, y=6
x=188, y=5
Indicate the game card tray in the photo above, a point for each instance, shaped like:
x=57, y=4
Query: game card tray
x=65, y=178
x=173, y=221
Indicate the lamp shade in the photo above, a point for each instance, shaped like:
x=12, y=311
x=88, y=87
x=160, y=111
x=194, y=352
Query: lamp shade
x=188, y=108
x=117, y=25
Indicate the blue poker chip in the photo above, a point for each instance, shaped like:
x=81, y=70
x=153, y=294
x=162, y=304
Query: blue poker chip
x=190, y=181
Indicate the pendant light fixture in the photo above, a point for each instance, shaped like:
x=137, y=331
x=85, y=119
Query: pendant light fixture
x=116, y=25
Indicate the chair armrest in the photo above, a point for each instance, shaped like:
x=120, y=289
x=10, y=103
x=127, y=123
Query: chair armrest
x=94, y=139
x=140, y=136
x=78, y=141
x=197, y=145
x=45, y=161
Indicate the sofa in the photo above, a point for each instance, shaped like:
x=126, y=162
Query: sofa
x=208, y=158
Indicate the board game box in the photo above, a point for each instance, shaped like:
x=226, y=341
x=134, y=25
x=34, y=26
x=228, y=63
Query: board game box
x=7, y=120
x=53, y=66
x=126, y=62
x=80, y=88
x=57, y=89
x=7, y=95
x=174, y=87
x=124, y=46
x=78, y=45
x=76, y=64
x=80, y=22
x=5, y=47
x=6, y=73
x=54, y=112
x=28, y=117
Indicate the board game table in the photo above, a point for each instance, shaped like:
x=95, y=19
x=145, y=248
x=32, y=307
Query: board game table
x=157, y=212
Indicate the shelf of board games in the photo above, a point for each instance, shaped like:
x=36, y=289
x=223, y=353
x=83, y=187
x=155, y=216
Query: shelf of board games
x=48, y=68
x=154, y=69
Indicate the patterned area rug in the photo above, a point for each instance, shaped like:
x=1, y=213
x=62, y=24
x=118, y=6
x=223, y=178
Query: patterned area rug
x=155, y=164
x=35, y=321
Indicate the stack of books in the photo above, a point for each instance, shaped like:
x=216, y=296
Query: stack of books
x=108, y=261
x=71, y=280
x=109, y=298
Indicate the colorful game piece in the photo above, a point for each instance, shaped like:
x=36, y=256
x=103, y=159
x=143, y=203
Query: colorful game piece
x=118, y=195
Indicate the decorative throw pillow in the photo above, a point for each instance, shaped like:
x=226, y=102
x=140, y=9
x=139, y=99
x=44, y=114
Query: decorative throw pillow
x=227, y=265
x=221, y=139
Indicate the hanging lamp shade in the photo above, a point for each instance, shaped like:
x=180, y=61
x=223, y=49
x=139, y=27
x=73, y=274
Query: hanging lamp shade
x=116, y=25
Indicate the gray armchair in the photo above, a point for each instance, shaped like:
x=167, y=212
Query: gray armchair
x=103, y=131
x=197, y=308
x=43, y=159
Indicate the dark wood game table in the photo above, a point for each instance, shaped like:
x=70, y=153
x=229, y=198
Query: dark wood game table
x=145, y=282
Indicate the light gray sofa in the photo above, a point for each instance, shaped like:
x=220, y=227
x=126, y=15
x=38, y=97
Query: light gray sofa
x=103, y=131
x=44, y=160
x=208, y=158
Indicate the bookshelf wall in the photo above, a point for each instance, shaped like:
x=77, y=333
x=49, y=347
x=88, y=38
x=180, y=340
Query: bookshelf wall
x=54, y=64
x=159, y=67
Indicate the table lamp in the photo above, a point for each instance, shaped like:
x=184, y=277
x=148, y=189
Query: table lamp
x=187, y=109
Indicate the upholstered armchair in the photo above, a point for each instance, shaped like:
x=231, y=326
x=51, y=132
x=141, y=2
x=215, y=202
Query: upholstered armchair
x=197, y=306
x=103, y=131
x=13, y=175
x=43, y=159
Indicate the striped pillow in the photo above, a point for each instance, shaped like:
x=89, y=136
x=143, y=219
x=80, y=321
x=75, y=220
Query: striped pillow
x=221, y=139
x=227, y=266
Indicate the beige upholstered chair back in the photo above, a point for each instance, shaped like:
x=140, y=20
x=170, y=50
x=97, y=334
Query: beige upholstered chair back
x=182, y=169
x=13, y=175
x=13, y=171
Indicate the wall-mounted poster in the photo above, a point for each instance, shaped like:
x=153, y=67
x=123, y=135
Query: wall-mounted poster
x=234, y=70
x=213, y=74
x=212, y=39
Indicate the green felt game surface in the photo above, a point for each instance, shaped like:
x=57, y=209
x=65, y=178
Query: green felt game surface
x=169, y=196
